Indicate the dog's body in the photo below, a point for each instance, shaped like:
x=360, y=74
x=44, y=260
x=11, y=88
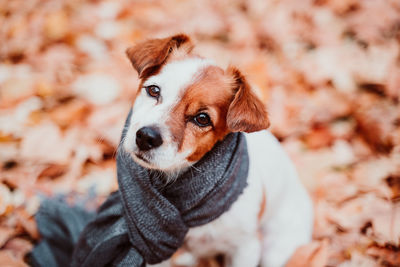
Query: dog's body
x=185, y=104
x=241, y=234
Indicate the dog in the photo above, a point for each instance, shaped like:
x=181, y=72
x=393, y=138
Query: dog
x=184, y=105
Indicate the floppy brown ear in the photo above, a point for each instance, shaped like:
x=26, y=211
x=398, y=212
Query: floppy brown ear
x=246, y=112
x=148, y=56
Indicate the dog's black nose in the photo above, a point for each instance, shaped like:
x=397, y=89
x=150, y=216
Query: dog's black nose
x=148, y=138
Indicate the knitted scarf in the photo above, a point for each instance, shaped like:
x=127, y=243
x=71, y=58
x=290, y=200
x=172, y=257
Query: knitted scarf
x=146, y=220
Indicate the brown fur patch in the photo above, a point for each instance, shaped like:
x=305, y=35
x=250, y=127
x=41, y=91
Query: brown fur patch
x=246, y=112
x=147, y=57
x=210, y=93
x=228, y=100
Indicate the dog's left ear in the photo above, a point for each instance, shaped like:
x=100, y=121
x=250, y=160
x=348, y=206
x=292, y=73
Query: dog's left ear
x=148, y=56
x=246, y=112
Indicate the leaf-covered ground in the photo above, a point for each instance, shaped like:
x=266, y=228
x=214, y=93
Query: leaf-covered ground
x=328, y=70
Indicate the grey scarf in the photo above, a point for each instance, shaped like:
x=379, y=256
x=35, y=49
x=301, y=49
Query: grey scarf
x=146, y=220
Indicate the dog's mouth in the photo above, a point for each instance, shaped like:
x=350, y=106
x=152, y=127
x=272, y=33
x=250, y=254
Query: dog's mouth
x=142, y=157
x=144, y=160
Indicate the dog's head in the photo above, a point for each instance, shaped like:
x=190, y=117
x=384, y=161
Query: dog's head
x=185, y=104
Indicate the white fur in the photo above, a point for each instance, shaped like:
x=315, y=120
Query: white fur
x=287, y=223
x=147, y=111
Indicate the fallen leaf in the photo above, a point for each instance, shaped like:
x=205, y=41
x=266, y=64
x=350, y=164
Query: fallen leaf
x=56, y=148
x=358, y=259
x=314, y=254
x=28, y=223
x=56, y=25
x=5, y=234
x=69, y=113
x=8, y=260
x=19, y=247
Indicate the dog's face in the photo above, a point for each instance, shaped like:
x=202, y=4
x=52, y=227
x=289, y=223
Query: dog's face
x=184, y=105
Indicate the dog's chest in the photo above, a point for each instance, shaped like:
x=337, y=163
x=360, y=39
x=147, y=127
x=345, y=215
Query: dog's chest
x=228, y=231
x=241, y=222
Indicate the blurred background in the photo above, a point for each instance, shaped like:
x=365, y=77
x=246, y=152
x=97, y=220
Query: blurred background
x=328, y=70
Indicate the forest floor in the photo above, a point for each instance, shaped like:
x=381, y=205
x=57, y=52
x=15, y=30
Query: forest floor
x=328, y=71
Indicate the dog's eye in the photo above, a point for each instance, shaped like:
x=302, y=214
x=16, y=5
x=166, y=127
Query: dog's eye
x=202, y=119
x=153, y=91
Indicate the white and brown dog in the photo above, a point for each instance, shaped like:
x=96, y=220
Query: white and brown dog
x=184, y=105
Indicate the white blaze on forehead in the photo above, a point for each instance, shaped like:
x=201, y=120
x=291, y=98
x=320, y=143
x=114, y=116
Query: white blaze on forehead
x=174, y=77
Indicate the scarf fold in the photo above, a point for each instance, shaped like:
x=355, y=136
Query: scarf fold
x=146, y=220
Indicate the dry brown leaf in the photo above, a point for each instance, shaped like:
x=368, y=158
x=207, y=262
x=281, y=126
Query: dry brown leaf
x=5, y=234
x=57, y=148
x=19, y=247
x=319, y=137
x=358, y=259
x=27, y=222
x=341, y=7
x=5, y=200
x=393, y=181
x=53, y=171
x=393, y=83
x=378, y=132
x=314, y=254
x=7, y=259
x=385, y=255
x=369, y=215
x=56, y=25
x=336, y=187
x=67, y=114
x=17, y=84
x=369, y=174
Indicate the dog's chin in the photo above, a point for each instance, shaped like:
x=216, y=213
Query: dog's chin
x=172, y=170
x=143, y=161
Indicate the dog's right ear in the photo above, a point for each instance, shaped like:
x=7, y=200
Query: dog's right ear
x=148, y=56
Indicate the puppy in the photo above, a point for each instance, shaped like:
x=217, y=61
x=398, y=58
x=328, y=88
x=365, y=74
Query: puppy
x=184, y=105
